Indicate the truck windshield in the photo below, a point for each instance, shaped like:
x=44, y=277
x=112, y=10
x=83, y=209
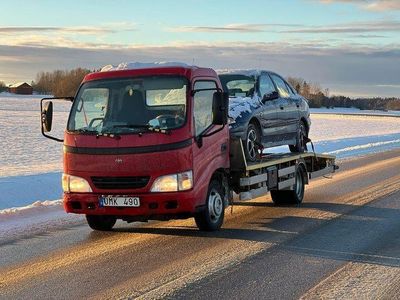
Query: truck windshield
x=129, y=105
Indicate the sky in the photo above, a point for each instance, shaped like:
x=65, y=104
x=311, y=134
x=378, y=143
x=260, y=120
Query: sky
x=351, y=47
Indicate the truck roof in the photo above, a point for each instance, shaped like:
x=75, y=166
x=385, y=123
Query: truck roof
x=149, y=69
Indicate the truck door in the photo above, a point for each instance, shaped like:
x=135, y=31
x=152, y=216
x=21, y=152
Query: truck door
x=213, y=151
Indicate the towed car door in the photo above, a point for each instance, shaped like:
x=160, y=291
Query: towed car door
x=288, y=114
x=268, y=113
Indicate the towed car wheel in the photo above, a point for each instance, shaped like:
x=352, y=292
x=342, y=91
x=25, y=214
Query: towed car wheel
x=302, y=136
x=250, y=145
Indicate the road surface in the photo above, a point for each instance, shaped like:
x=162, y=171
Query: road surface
x=342, y=242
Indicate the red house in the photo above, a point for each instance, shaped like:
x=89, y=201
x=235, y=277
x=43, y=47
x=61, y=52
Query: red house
x=21, y=88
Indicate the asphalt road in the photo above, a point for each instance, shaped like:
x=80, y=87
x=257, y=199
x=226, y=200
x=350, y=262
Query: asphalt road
x=342, y=242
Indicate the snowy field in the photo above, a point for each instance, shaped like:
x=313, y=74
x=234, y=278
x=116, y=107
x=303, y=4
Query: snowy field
x=354, y=111
x=30, y=165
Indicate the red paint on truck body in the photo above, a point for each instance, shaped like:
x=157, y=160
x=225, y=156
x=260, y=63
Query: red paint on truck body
x=204, y=161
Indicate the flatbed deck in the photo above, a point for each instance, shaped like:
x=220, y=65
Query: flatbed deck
x=274, y=171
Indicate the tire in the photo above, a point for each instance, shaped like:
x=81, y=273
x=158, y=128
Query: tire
x=250, y=148
x=302, y=134
x=212, y=217
x=101, y=223
x=291, y=197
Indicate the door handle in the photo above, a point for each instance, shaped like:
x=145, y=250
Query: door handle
x=223, y=147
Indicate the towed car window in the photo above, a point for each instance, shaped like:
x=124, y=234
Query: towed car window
x=238, y=85
x=281, y=86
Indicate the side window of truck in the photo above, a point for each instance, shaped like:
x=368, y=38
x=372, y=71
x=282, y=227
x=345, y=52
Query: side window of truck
x=203, y=105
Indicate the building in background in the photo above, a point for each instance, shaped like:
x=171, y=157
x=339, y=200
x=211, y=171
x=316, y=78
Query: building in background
x=21, y=88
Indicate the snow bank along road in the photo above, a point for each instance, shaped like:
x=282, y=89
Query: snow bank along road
x=342, y=242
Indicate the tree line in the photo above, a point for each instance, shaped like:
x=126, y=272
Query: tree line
x=59, y=83
x=319, y=97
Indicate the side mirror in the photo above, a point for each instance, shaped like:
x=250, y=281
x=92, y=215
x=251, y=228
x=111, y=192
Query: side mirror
x=220, y=108
x=271, y=96
x=47, y=116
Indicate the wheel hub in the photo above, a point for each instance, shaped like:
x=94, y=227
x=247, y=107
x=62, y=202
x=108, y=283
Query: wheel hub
x=251, y=145
x=215, y=205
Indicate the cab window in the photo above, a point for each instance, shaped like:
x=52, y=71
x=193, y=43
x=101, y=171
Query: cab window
x=203, y=105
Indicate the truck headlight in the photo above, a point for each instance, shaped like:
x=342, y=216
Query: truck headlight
x=75, y=184
x=173, y=183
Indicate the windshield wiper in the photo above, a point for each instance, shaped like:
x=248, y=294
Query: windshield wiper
x=107, y=134
x=141, y=126
x=85, y=130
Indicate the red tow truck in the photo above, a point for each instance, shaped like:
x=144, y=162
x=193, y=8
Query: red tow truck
x=153, y=143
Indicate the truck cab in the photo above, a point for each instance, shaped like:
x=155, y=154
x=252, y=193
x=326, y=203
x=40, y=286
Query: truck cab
x=146, y=143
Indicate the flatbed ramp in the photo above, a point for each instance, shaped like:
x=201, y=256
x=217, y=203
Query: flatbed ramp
x=283, y=174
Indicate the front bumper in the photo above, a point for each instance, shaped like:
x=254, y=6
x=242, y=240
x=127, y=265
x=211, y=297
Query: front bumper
x=151, y=204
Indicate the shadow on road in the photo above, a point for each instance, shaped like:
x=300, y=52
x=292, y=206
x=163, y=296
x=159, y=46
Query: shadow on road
x=356, y=235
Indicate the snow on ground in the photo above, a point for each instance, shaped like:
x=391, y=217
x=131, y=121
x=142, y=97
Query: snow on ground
x=24, y=150
x=35, y=218
x=355, y=111
x=30, y=164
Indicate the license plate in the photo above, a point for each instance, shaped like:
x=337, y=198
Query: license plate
x=120, y=201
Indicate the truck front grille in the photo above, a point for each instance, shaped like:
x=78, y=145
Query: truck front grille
x=114, y=183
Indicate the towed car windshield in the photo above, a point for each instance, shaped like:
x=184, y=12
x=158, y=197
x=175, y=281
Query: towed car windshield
x=129, y=105
x=238, y=85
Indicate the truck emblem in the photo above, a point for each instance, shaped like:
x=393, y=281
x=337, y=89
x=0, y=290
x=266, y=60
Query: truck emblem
x=118, y=160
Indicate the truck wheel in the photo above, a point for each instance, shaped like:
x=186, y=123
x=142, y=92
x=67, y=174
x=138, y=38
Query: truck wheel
x=291, y=197
x=102, y=223
x=301, y=145
x=250, y=144
x=212, y=217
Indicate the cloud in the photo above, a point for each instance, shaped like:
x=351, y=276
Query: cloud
x=84, y=30
x=355, y=27
x=234, y=28
x=373, y=5
x=360, y=68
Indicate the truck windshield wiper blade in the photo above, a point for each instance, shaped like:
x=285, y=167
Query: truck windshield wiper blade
x=141, y=126
x=107, y=134
x=85, y=130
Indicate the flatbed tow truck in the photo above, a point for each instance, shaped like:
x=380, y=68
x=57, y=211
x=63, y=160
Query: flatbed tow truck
x=152, y=143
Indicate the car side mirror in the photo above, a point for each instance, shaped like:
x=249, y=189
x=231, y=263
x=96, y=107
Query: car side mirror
x=220, y=108
x=270, y=96
x=47, y=116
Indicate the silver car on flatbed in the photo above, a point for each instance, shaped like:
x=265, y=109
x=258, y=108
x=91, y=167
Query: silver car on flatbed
x=265, y=110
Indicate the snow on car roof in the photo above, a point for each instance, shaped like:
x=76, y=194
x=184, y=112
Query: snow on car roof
x=246, y=72
x=142, y=65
